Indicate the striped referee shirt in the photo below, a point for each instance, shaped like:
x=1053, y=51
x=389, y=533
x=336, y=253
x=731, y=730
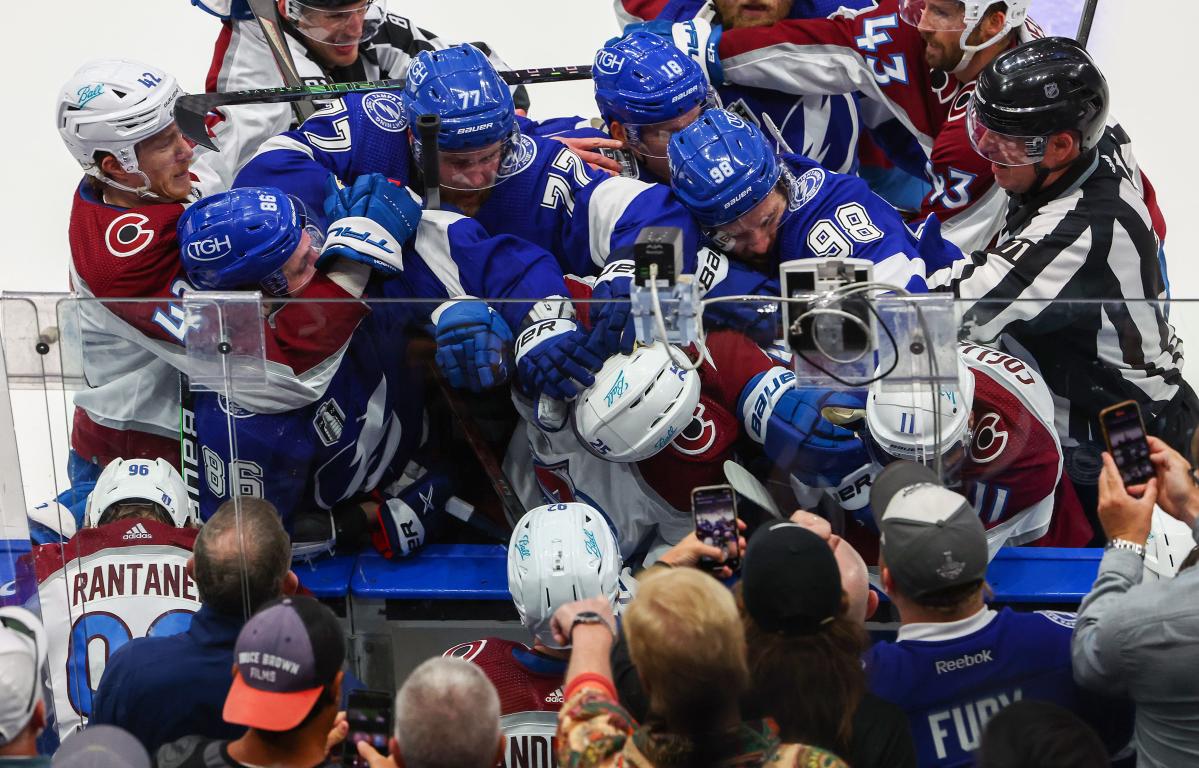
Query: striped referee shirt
x=1071, y=286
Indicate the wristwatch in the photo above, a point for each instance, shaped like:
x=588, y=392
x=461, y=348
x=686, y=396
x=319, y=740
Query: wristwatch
x=590, y=617
x=1131, y=546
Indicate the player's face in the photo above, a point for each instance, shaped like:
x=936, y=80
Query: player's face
x=738, y=14
x=754, y=234
x=334, y=34
x=165, y=158
x=941, y=23
x=649, y=142
x=301, y=266
x=471, y=171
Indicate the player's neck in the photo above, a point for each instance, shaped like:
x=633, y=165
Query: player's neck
x=983, y=58
x=119, y=198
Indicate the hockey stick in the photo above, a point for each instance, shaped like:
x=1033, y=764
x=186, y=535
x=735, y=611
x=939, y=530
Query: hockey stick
x=266, y=13
x=191, y=108
x=427, y=127
x=1085, y=22
x=189, y=446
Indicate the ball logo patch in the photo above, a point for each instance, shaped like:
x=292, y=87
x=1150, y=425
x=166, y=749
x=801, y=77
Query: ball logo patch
x=127, y=235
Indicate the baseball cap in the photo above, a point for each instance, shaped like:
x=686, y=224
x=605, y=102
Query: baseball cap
x=286, y=654
x=22, y=655
x=790, y=581
x=101, y=746
x=931, y=537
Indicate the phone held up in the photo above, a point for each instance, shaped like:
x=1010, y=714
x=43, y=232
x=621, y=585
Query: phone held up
x=715, y=510
x=369, y=714
x=1124, y=433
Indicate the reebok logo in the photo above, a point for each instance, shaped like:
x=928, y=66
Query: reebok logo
x=962, y=662
x=555, y=697
x=137, y=532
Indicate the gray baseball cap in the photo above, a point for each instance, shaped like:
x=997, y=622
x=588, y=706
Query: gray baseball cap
x=931, y=538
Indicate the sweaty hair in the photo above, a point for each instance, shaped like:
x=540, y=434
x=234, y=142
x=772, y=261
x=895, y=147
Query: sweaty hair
x=135, y=510
x=1038, y=734
x=686, y=640
x=447, y=716
x=810, y=684
x=218, y=569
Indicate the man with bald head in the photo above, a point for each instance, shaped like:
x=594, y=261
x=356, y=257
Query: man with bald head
x=855, y=579
x=191, y=670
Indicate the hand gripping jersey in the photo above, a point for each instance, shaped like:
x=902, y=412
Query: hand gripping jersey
x=550, y=198
x=952, y=678
x=242, y=60
x=132, y=350
x=877, y=53
x=530, y=689
x=647, y=502
x=833, y=214
x=1013, y=468
x=101, y=589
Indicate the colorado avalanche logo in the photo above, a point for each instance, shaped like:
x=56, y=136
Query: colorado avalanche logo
x=555, y=481
x=698, y=436
x=385, y=110
x=520, y=155
x=127, y=235
x=805, y=188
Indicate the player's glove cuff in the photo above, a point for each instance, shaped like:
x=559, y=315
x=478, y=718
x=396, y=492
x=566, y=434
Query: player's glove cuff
x=759, y=398
x=700, y=40
x=363, y=240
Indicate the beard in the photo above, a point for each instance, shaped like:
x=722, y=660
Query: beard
x=741, y=14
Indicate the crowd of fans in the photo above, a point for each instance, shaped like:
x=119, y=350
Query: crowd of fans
x=485, y=285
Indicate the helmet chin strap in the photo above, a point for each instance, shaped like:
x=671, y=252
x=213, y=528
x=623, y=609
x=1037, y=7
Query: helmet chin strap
x=968, y=50
x=143, y=191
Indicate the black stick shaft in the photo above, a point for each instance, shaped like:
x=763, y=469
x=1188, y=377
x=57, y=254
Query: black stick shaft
x=1085, y=22
x=427, y=128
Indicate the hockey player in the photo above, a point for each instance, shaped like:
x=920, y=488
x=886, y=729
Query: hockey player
x=557, y=554
x=115, y=118
x=346, y=454
x=123, y=576
x=997, y=437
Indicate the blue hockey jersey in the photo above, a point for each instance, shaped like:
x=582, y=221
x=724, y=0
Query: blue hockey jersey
x=951, y=678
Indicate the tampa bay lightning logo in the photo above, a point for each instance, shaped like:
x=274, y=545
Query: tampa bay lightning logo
x=805, y=188
x=232, y=409
x=385, y=110
x=521, y=153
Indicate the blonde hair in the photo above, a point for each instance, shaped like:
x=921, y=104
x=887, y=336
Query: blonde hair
x=687, y=642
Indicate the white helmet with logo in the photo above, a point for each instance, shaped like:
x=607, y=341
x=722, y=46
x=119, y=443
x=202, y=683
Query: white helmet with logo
x=109, y=105
x=912, y=11
x=902, y=425
x=560, y=553
x=638, y=404
x=139, y=480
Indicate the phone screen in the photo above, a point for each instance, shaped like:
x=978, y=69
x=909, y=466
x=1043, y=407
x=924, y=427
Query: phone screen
x=1126, y=441
x=715, y=511
x=369, y=716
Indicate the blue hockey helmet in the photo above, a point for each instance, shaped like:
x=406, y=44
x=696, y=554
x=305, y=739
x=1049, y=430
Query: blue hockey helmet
x=641, y=80
x=721, y=167
x=243, y=238
x=460, y=86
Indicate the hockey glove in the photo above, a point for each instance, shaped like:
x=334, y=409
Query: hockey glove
x=787, y=422
x=552, y=359
x=371, y=220
x=411, y=517
x=699, y=39
x=473, y=344
x=612, y=328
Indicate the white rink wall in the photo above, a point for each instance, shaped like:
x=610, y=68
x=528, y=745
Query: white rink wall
x=1141, y=46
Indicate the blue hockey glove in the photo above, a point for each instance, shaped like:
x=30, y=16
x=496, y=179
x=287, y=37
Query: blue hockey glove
x=370, y=221
x=787, y=422
x=473, y=343
x=937, y=252
x=612, y=328
x=412, y=516
x=698, y=38
x=552, y=359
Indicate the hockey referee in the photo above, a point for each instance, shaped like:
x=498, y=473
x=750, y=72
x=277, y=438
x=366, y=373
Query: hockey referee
x=1074, y=279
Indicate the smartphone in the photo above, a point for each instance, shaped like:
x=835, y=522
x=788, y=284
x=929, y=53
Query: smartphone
x=1124, y=432
x=369, y=715
x=715, y=510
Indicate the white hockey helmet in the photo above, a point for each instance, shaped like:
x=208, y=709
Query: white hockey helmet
x=902, y=425
x=560, y=553
x=638, y=404
x=109, y=105
x=139, y=480
x=912, y=11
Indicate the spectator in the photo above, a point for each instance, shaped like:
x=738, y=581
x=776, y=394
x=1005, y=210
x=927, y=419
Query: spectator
x=1037, y=734
x=557, y=553
x=801, y=637
x=22, y=711
x=447, y=716
x=689, y=648
x=956, y=662
x=855, y=578
x=1139, y=639
x=102, y=746
x=286, y=687
x=191, y=669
